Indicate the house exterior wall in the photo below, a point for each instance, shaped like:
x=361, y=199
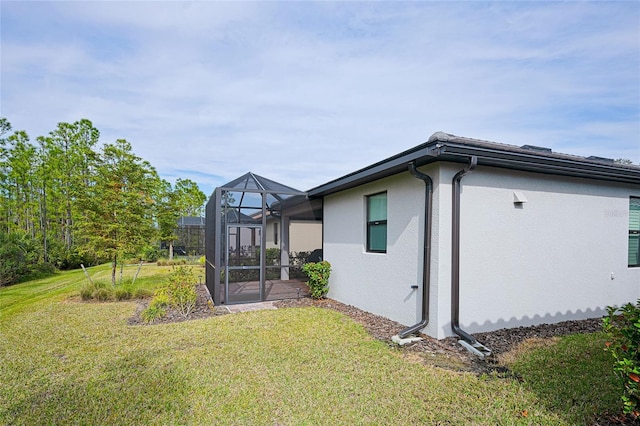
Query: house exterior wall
x=561, y=255
x=547, y=260
x=376, y=282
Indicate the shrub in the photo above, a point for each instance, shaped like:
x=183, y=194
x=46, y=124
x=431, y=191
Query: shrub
x=165, y=262
x=141, y=293
x=181, y=290
x=161, y=300
x=86, y=291
x=98, y=290
x=122, y=293
x=623, y=326
x=153, y=313
x=150, y=254
x=318, y=274
x=19, y=255
x=157, y=307
x=103, y=294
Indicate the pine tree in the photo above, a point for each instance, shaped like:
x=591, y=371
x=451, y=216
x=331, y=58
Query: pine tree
x=118, y=219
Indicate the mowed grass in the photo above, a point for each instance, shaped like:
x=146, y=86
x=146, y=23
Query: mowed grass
x=67, y=362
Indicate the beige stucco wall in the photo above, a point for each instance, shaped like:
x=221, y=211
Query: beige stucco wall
x=303, y=235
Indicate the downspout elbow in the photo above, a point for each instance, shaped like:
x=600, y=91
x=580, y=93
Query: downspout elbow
x=426, y=273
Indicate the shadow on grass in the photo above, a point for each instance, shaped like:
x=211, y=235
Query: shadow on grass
x=572, y=377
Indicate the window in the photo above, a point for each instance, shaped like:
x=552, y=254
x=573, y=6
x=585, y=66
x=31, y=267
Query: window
x=275, y=233
x=634, y=231
x=377, y=223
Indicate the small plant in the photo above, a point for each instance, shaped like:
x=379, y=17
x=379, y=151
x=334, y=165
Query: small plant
x=153, y=313
x=318, y=274
x=181, y=290
x=103, y=294
x=86, y=291
x=141, y=293
x=98, y=290
x=623, y=326
x=157, y=307
x=161, y=300
x=122, y=293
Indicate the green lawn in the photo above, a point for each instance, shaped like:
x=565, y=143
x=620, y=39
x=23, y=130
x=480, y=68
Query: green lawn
x=63, y=361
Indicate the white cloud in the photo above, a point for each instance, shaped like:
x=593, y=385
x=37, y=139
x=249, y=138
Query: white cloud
x=306, y=92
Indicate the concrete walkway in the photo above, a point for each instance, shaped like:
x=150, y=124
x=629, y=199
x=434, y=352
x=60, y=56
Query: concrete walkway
x=248, y=307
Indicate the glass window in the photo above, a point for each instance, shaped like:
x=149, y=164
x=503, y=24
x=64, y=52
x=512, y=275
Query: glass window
x=634, y=231
x=275, y=233
x=377, y=223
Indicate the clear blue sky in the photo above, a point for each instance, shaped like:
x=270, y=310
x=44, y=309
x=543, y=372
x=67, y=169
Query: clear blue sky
x=306, y=92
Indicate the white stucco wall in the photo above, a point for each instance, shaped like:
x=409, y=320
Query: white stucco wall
x=549, y=260
x=376, y=282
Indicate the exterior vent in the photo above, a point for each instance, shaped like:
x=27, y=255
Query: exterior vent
x=601, y=159
x=536, y=148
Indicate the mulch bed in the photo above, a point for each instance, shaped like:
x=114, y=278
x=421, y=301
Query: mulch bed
x=202, y=310
x=446, y=353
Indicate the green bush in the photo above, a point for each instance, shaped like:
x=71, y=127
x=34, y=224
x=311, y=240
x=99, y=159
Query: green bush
x=98, y=290
x=65, y=258
x=150, y=254
x=318, y=274
x=157, y=307
x=122, y=293
x=153, y=313
x=623, y=326
x=19, y=256
x=103, y=294
x=181, y=289
x=86, y=291
x=141, y=293
x=161, y=300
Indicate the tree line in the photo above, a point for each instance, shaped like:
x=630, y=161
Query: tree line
x=66, y=201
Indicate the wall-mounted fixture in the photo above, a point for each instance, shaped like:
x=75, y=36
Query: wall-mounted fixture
x=519, y=198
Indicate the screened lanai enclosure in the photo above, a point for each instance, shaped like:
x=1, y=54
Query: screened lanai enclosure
x=258, y=235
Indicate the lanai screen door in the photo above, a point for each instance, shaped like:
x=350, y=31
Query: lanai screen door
x=243, y=266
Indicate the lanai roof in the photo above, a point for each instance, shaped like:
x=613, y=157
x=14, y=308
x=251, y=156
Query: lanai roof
x=250, y=182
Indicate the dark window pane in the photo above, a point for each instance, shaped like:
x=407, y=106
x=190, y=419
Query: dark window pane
x=378, y=237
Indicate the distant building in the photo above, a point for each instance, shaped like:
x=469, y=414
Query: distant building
x=190, y=241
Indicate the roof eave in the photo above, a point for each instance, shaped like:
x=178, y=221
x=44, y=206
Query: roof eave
x=454, y=149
